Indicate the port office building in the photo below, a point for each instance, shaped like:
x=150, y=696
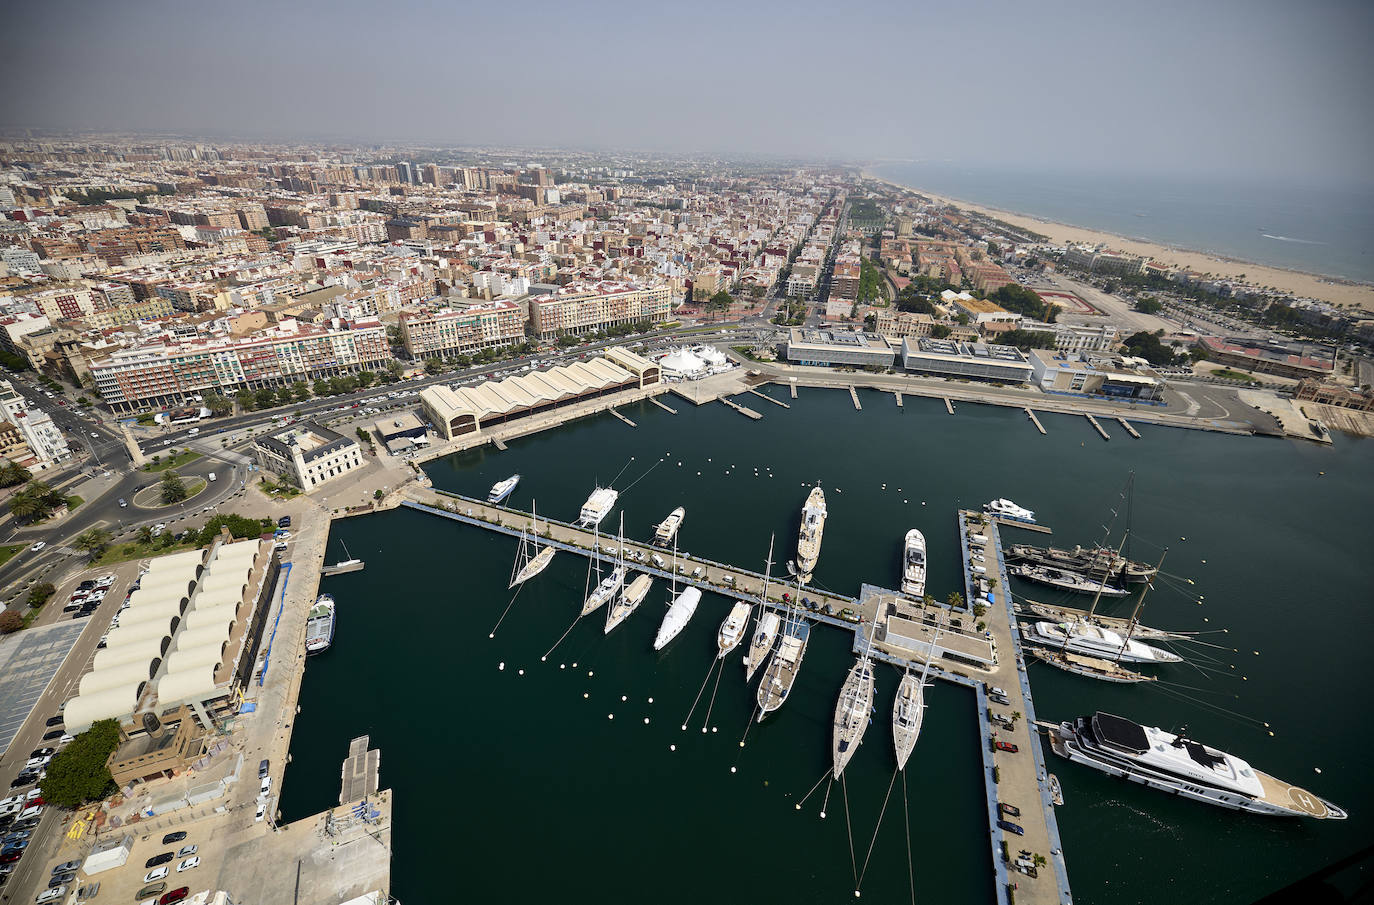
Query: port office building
x=838, y=347
x=308, y=454
x=455, y=411
x=965, y=360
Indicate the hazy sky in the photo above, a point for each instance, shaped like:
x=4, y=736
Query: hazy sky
x=1243, y=87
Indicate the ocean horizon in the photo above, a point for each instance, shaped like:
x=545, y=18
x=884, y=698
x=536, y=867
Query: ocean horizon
x=1324, y=230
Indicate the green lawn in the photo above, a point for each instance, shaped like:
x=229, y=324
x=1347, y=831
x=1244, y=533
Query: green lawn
x=74, y=501
x=1228, y=374
x=118, y=553
x=176, y=461
x=7, y=553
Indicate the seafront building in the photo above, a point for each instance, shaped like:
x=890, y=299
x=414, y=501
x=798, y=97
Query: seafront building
x=40, y=435
x=461, y=330
x=838, y=347
x=1087, y=375
x=967, y=360
x=573, y=311
x=308, y=454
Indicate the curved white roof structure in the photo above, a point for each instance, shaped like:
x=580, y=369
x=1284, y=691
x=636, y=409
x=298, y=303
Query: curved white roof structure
x=183, y=659
x=140, y=631
x=166, y=608
x=681, y=362
x=221, y=616
x=116, y=676
x=194, y=683
x=198, y=636
x=110, y=703
x=147, y=649
x=211, y=599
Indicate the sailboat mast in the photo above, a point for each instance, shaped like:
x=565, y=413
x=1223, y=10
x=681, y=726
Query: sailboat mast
x=1135, y=614
x=1101, y=583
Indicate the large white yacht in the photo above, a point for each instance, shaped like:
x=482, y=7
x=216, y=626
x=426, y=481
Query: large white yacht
x=667, y=529
x=1004, y=508
x=503, y=489
x=732, y=629
x=677, y=617
x=809, y=538
x=914, y=564
x=908, y=711
x=1094, y=641
x=851, y=713
x=604, y=590
x=783, y=668
x=1177, y=764
x=597, y=507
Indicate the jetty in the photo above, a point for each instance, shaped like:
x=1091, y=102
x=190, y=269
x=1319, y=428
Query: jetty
x=854, y=394
x=747, y=412
x=897, y=630
x=898, y=394
x=770, y=399
x=1098, y=427
x=949, y=406
x=1030, y=413
x=1126, y=424
x=499, y=443
x=793, y=387
x=339, y=568
x=621, y=417
x=663, y=405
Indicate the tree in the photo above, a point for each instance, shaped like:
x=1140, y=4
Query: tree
x=145, y=534
x=366, y=379
x=12, y=473
x=1149, y=304
x=33, y=502
x=285, y=395
x=265, y=398
x=173, y=488
x=955, y=599
x=433, y=366
x=1027, y=339
x=364, y=436
x=40, y=593
x=720, y=302
x=244, y=398
x=940, y=331
x=78, y=774
x=93, y=541
x=301, y=389
x=377, y=494
x=395, y=369
x=240, y=528
x=10, y=622
x=321, y=387
x=1146, y=345
x=218, y=404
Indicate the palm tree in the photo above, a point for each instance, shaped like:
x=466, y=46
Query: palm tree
x=24, y=505
x=145, y=534
x=92, y=541
x=955, y=599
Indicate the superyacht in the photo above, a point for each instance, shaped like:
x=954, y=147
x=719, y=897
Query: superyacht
x=809, y=538
x=597, y=507
x=503, y=489
x=666, y=532
x=914, y=565
x=319, y=625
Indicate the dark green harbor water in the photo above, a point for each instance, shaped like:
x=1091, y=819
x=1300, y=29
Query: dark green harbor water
x=515, y=787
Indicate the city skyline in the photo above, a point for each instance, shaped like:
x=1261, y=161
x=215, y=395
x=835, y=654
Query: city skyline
x=1230, y=90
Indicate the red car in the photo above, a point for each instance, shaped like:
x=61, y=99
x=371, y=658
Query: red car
x=11, y=857
x=175, y=895
x=1006, y=746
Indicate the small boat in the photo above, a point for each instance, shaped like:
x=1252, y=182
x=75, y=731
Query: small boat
x=851, y=713
x=765, y=633
x=319, y=625
x=1004, y=508
x=597, y=507
x=503, y=489
x=631, y=596
x=1065, y=581
x=914, y=564
x=1056, y=792
x=732, y=629
x=535, y=558
x=677, y=617
x=666, y=532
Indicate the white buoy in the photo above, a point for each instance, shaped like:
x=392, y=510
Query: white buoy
x=672, y=747
x=732, y=769
x=492, y=635
x=522, y=672
x=503, y=665
x=544, y=659
x=713, y=729
x=610, y=716
x=623, y=698
x=822, y=815
x=684, y=727
x=798, y=807
x=590, y=673
x=562, y=666
x=651, y=700
x=574, y=664
x=646, y=721
x=703, y=730
x=585, y=695
x=1318, y=769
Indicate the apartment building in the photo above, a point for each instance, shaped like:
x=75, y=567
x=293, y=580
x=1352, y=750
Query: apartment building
x=444, y=332
x=44, y=440
x=131, y=379
x=575, y=310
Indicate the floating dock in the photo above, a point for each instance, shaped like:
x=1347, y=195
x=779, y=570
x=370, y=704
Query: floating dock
x=793, y=386
x=747, y=412
x=1126, y=424
x=949, y=405
x=499, y=444
x=663, y=405
x=898, y=394
x=1098, y=427
x=770, y=399
x=854, y=394
x=339, y=568
x=1034, y=420
x=360, y=771
x=621, y=417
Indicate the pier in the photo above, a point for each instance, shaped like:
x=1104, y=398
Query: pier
x=1034, y=420
x=747, y=412
x=898, y=394
x=621, y=417
x=1126, y=424
x=339, y=568
x=663, y=405
x=978, y=648
x=770, y=399
x=499, y=443
x=949, y=406
x=854, y=394
x=793, y=387
x=1098, y=427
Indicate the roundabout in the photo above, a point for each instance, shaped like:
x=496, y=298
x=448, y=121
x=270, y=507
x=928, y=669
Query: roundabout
x=151, y=497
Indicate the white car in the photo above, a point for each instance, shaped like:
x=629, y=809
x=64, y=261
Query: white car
x=157, y=873
x=51, y=895
x=38, y=546
x=266, y=786
x=104, y=581
x=187, y=850
x=188, y=864
x=262, y=812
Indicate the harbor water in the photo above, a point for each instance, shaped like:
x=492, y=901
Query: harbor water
x=538, y=779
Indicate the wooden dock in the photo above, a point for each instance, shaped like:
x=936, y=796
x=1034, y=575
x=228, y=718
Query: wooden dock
x=949, y=405
x=793, y=386
x=854, y=394
x=352, y=565
x=1034, y=420
x=621, y=417
x=499, y=444
x=1126, y=424
x=1025, y=526
x=359, y=774
x=770, y=399
x=898, y=394
x=1100, y=429
x=747, y=412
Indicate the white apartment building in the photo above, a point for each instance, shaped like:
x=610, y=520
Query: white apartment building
x=45, y=440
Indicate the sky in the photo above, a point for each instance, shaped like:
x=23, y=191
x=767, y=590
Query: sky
x=1269, y=89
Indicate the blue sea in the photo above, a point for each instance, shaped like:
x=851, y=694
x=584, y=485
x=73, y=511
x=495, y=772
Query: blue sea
x=1327, y=230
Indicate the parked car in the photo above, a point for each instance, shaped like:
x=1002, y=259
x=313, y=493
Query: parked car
x=188, y=864
x=158, y=859
x=175, y=895
x=55, y=720
x=1011, y=827
x=38, y=546
x=1010, y=810
x=62, y=879
x=153, y=889
x=158, y=873
x=262, y=811
x=262, y=768
x=66, y=866
x=188, y=850
x=266, y=785
x=51, y=895
x=178, y=836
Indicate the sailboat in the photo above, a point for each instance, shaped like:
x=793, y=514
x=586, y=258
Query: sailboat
x=786, y=663
x=909, y=709
x=606, y=587
x=852, y=713
x=631, y=595
x=684, y=606
x=531, y=559
x=765, y=627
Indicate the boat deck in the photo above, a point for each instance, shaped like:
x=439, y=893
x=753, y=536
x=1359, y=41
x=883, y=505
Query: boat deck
x=1280, y=792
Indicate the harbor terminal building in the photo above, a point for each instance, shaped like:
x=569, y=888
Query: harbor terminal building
x=838, y=347
x=308, y=455
x=1088, y=375
x=456, y=411
x=967, y=360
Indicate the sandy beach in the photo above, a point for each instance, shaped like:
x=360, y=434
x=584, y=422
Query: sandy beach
x=1307, y=285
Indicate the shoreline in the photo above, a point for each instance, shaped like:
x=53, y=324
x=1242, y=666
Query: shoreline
x=1339, y=291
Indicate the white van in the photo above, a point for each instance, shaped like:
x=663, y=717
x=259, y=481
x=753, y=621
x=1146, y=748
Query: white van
x=211, y=476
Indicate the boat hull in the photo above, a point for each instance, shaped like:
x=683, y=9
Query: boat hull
x=908, y=713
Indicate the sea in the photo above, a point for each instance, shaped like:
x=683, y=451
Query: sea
x=1320, y=229
x=526, y=768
